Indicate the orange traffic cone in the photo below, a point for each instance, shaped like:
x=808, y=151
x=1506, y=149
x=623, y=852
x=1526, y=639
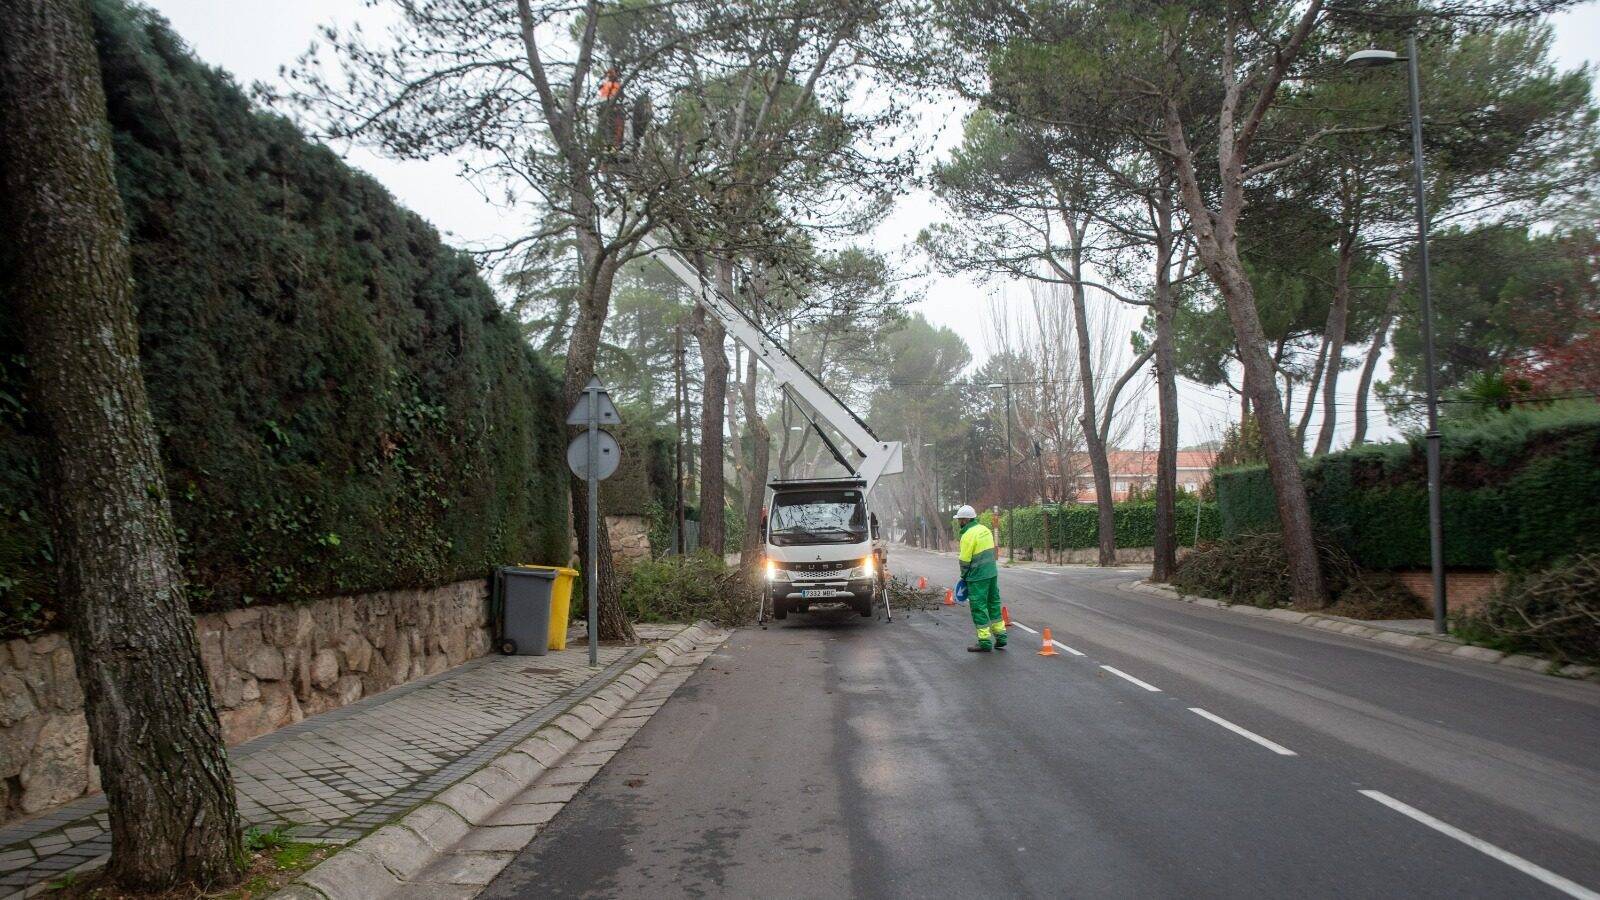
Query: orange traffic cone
x=1005, y=616
x=1049, y=648
x=949, y=597
x=922, y=582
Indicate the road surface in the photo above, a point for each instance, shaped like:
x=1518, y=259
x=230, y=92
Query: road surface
x=1166, y=750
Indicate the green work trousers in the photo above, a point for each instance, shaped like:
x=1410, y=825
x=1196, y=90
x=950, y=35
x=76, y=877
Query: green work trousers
x=984, y=598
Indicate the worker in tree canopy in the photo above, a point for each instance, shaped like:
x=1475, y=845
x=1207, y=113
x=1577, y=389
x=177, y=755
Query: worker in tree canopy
x=613, y=118
x=982, y=580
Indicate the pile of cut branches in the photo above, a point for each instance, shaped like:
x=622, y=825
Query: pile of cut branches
x=1254, y=570
x=1554, y=611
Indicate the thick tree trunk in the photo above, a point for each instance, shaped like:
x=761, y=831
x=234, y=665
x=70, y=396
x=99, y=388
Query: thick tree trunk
x=755, y=495
x=1165, y=310
x=152, y=724
x=1338, y=325
x=1379, y=338
x=1218, y=247
x=712, y=337
x=1098, y=461
x=597, y=272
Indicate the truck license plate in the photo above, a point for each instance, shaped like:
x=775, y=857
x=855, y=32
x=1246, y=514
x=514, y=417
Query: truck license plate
x=815, y=592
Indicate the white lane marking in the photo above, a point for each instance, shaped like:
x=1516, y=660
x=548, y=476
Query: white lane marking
x=1016, y=624
x=1564, y=885
x=1121, y=674
x=1275, y=747
x=1061, y=646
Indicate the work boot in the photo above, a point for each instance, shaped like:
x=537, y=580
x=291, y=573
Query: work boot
x=1000, y=642
x=980, y=647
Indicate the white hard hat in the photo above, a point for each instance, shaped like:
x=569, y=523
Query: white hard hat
x=966, y=512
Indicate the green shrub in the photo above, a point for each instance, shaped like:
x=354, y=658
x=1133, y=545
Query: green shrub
x=1519, y=490
x=342, y=404
x=1077, y=527
x=688, y=589
x=1554, y=611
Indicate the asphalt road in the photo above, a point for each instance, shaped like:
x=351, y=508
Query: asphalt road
x=835, y=756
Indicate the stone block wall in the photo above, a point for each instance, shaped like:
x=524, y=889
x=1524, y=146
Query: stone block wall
x=630, y=539
x=268, y=666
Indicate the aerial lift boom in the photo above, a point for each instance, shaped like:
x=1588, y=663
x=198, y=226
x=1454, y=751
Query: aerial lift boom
x=874, y=458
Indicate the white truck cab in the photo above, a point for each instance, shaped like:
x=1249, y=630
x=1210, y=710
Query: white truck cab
x=822, y=547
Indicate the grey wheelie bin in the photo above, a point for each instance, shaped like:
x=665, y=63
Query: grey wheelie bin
x=524, y=620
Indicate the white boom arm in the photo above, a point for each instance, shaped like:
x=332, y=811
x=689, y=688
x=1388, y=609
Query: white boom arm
x=876, y=458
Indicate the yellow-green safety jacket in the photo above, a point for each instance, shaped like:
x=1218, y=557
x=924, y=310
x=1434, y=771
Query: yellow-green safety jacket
x=977, y=552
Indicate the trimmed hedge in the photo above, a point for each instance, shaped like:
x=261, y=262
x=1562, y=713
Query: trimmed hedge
x=1521, y=489
x=1077, y=527
x=342, y=405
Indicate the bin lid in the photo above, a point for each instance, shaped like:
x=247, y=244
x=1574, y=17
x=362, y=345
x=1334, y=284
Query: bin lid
x=543, y=572
x=554, y=570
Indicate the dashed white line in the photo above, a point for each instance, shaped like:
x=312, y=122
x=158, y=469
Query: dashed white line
x=1124, y=675
x=1061, y=646
x=1564, y=885
x=1023, y=627
x=1274, y=746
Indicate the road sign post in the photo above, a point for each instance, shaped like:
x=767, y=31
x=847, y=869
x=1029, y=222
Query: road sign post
x=593, y=456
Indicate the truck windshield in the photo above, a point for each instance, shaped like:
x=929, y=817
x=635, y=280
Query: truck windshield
x=818, y=517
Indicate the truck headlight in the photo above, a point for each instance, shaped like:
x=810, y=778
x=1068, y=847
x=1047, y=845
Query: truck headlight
x=864, y=570
x=776, y=574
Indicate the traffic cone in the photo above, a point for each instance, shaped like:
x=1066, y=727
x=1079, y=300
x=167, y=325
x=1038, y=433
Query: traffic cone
x=922, y=582
x=949, y=597
x=1005, y=616
x=1049, y=648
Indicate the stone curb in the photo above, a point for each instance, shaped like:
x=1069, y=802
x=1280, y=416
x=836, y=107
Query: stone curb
x=1417, y=643
x=376, y=865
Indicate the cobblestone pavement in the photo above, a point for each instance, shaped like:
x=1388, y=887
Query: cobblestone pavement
x=335, y=776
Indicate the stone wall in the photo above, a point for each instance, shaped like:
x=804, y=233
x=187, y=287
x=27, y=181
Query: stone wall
x=268, y=666
x=630, y=539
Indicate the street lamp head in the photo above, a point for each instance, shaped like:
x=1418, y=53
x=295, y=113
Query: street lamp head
x=1371, y=59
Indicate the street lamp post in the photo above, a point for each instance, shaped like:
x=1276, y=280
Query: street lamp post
x=1369, y=59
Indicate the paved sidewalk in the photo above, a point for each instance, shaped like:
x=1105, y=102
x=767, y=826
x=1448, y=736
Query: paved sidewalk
x=336, y=776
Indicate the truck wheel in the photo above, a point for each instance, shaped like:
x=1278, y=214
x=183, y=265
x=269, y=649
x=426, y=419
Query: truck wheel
x=780, y=609
x=863, y=606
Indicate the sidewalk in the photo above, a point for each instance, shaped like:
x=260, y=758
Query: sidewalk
x=336, y=776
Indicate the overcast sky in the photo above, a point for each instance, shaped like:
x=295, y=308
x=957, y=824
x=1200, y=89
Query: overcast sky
x=252, y=38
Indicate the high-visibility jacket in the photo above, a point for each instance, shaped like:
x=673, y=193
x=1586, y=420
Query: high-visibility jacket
x=977, y=552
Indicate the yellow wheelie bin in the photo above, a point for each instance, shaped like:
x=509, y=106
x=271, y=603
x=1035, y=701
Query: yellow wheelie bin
x=560, y=603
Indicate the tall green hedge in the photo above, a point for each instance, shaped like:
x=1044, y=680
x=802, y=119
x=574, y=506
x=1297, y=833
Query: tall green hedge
x=1520, y=489
x=342, y=404
x=1077, y=527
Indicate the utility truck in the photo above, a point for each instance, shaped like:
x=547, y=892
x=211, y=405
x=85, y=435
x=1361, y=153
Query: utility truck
x=822, y=544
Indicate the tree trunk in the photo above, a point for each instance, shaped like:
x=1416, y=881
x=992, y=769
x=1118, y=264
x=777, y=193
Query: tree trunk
x=1317, y=373
x=1218, y=245
x=1165, y=310
x=755, y=496
x=1096, y=447
x=1379, y=338
x=1338, y=325
x=151, y=720
x=597, y=272
x=711, y=337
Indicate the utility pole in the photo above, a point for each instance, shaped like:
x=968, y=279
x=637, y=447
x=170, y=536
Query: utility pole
x=678, y=390
x=1011, y=544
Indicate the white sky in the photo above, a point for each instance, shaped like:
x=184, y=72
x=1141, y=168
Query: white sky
x=252, y=38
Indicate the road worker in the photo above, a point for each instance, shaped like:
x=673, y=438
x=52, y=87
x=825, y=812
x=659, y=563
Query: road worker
x=982, y=580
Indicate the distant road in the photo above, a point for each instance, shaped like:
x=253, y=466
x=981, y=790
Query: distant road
x=1166, y=750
